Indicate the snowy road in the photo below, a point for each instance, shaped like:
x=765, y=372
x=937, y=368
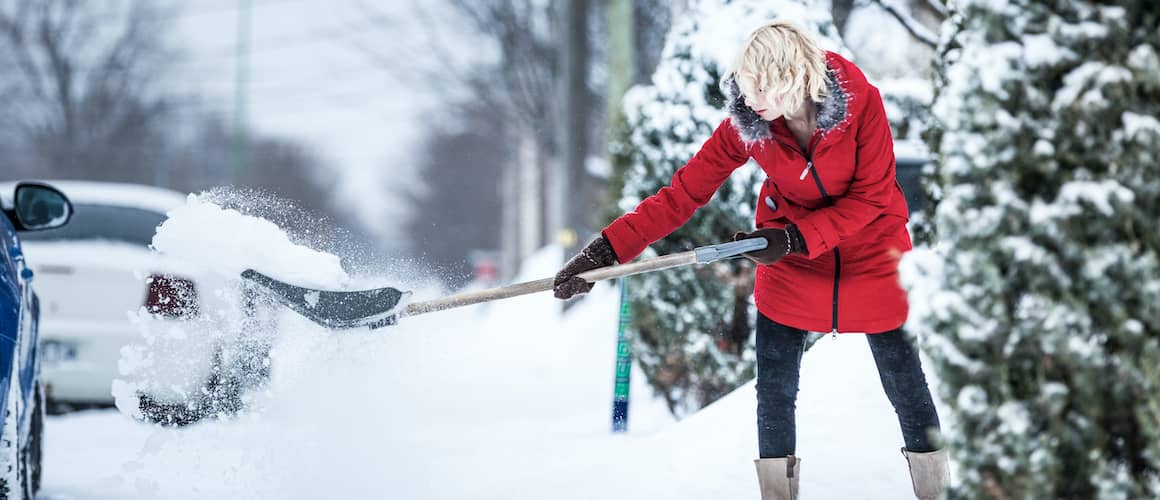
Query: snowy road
x=507, y=401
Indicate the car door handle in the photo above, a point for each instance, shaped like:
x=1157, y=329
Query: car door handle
x=55, y=269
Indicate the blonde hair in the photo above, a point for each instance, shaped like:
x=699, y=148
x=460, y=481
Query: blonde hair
x=783, y=59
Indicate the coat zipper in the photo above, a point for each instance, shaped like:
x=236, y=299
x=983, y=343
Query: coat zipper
x=809, y=157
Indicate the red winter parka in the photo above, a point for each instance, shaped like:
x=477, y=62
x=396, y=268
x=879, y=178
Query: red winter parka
x=841, y=193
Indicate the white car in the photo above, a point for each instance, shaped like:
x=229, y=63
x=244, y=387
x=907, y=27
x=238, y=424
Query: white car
x=103, y=290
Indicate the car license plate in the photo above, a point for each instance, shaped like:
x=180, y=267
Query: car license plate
x=57, y=351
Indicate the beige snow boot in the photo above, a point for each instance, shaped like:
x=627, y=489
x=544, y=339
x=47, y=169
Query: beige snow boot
x=778, y=477
x=929, y=473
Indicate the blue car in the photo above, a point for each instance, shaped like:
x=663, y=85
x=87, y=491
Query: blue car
x=33, y=206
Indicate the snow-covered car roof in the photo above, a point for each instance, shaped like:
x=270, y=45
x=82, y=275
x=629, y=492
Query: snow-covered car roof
x=140, y=196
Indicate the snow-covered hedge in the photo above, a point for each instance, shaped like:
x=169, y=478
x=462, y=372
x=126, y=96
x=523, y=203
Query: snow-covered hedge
x=1041, y=305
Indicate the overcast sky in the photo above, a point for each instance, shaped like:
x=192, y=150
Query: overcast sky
x=331, y=73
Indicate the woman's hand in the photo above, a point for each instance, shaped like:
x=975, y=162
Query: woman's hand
x=597, y=254
x=782, y=242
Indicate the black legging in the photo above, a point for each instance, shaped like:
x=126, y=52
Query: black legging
x=779, y=357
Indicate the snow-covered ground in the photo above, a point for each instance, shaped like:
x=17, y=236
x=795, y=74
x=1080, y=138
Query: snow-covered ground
x=504, y=400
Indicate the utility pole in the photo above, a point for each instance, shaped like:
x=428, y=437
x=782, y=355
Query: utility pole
x=570, y=192
x=621, y=66
x=241, y=89
x=622, y=74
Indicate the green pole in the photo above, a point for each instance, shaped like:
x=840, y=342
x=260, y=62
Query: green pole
x=623, y=362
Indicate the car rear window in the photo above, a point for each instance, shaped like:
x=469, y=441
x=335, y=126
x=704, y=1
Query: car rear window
x=103, y=222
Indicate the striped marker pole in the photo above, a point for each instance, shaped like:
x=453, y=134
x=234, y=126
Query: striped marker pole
x=623, y=363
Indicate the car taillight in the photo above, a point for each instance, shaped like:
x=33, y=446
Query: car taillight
x=171, y=297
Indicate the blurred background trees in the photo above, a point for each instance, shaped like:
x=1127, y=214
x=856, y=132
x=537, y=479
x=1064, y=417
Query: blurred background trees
x=535, y=108
x=84, y=88
x=90, y=94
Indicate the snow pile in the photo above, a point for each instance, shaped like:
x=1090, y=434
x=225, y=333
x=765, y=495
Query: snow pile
x=175, y=361
x=228, y=242
x=507, y=401
x=503, y=400
x=356, y=404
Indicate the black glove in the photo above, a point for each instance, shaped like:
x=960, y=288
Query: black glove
x=782, y=242
x=599, y=253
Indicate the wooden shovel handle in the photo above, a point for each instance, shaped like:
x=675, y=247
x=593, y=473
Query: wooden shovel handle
x=529, y=287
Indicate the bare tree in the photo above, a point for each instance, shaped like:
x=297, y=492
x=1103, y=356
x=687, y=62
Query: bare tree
x=651, y=20
x=840, y=10
x=82, y=93
x=87, y=96
x=905, y=13
x=521, y=84
x=518, y=88
x=458, y=209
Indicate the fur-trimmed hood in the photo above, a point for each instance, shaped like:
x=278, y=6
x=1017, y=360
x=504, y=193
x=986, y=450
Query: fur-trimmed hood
x=834, y=109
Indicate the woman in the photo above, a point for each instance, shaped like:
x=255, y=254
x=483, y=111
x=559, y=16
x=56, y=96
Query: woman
x=835, y=219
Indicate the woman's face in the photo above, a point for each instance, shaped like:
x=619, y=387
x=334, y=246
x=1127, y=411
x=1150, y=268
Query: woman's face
x=768, y=105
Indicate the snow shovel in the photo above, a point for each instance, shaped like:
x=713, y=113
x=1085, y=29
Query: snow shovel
x=379, y=307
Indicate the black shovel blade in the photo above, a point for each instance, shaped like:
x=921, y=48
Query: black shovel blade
x=334, y=309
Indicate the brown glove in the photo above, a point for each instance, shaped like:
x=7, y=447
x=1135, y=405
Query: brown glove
x=782, y=242
x=597, y=254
